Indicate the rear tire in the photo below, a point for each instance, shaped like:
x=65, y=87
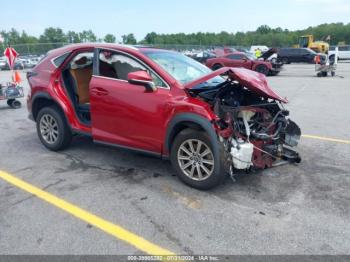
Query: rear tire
x=285, y=60
x=52, y=128
x=199, y=168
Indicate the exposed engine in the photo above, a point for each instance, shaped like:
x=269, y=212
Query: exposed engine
x=256, y=131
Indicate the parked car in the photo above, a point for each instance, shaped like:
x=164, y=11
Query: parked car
x=343, y=52
x=271, y=56
x=3, y=64
x=202, y=57
x=296, y=55
x=238, y=59
x=27, y=63
x=162, y=103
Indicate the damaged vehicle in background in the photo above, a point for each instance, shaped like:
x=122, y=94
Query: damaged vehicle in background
x=271, y=56
x=238, y=59
x=163, y=103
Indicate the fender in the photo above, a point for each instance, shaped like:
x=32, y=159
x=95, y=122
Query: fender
x=47, y=96
x=191, y=118
x=268, y=65
x=39, y=95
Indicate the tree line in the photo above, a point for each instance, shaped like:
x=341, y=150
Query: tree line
x=263, y=35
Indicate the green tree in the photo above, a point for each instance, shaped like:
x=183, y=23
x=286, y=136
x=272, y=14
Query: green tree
x=73, y=37
x=109, y=38
x=129, y=39
x=87, y=36
x=53, y=35
x=150, y=38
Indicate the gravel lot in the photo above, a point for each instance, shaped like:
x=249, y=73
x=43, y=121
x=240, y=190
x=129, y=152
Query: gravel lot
x=292, y=209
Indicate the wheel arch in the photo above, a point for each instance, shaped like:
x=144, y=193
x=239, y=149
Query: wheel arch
x=41, y=100
x=188, y=120
x=216, y=64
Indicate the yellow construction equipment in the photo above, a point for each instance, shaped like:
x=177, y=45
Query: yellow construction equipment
x=307, y=41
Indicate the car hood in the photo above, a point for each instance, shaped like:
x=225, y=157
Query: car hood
x=253, y=81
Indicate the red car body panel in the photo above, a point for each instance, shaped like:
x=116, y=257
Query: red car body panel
x=225, y=61
x=121, y=113
x=254, y=81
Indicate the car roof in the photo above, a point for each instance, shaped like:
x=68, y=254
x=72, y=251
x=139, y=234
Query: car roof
x=71, y=47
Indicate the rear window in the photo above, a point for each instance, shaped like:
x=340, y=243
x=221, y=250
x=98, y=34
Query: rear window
x=285, y=51
x=60, y=59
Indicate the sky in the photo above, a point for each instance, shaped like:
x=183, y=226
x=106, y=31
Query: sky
x=168, y=16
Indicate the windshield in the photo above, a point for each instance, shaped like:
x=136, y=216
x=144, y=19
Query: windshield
x=250, y=56
x=303, y=41
x=311, y=51
x=179, y=66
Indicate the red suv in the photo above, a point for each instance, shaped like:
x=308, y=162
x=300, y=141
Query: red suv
x=163, y=103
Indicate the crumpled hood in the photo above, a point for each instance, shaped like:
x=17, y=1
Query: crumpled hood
x=254, y=81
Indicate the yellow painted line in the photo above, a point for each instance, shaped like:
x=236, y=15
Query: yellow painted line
x=327, y=139
x=106, y=226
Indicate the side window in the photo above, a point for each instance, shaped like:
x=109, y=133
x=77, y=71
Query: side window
x=118, y=66
x=59, y=60
x=344, y=48
x=235, y=57
x=299, y=51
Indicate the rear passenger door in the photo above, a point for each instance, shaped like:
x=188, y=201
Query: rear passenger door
x=122, y=113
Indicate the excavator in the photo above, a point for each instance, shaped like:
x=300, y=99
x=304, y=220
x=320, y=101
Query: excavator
x=307, y=41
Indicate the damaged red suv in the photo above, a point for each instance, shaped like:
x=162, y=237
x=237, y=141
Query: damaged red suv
x=209, y=124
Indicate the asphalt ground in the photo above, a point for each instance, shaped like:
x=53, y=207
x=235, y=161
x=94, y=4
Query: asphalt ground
x=291, y=209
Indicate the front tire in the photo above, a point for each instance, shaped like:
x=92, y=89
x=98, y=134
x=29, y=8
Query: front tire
x=52, y=128
x=262, y=69
x=216, y=67
x=195, y=161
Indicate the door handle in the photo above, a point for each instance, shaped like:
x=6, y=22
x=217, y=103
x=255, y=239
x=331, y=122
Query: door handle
x=99, y=91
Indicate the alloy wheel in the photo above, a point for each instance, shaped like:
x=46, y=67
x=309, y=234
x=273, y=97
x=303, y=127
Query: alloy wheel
x=49, y=129
x=195, y=159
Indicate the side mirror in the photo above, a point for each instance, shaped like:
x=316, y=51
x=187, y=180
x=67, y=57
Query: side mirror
x=142, y=78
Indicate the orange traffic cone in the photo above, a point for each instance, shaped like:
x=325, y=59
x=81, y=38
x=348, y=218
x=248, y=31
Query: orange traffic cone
x=16, y=77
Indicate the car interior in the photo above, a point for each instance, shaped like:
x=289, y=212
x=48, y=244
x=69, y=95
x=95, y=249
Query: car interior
x=117, y=66
x=76, y=77
x=78, y=73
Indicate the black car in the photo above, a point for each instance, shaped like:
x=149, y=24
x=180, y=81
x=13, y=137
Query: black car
x=203, y=56
x=296, y=55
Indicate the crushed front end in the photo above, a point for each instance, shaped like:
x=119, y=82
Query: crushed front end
x=252, y=123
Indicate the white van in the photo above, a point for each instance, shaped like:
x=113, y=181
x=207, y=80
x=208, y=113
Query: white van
x=343, y=51
x=263, y=48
